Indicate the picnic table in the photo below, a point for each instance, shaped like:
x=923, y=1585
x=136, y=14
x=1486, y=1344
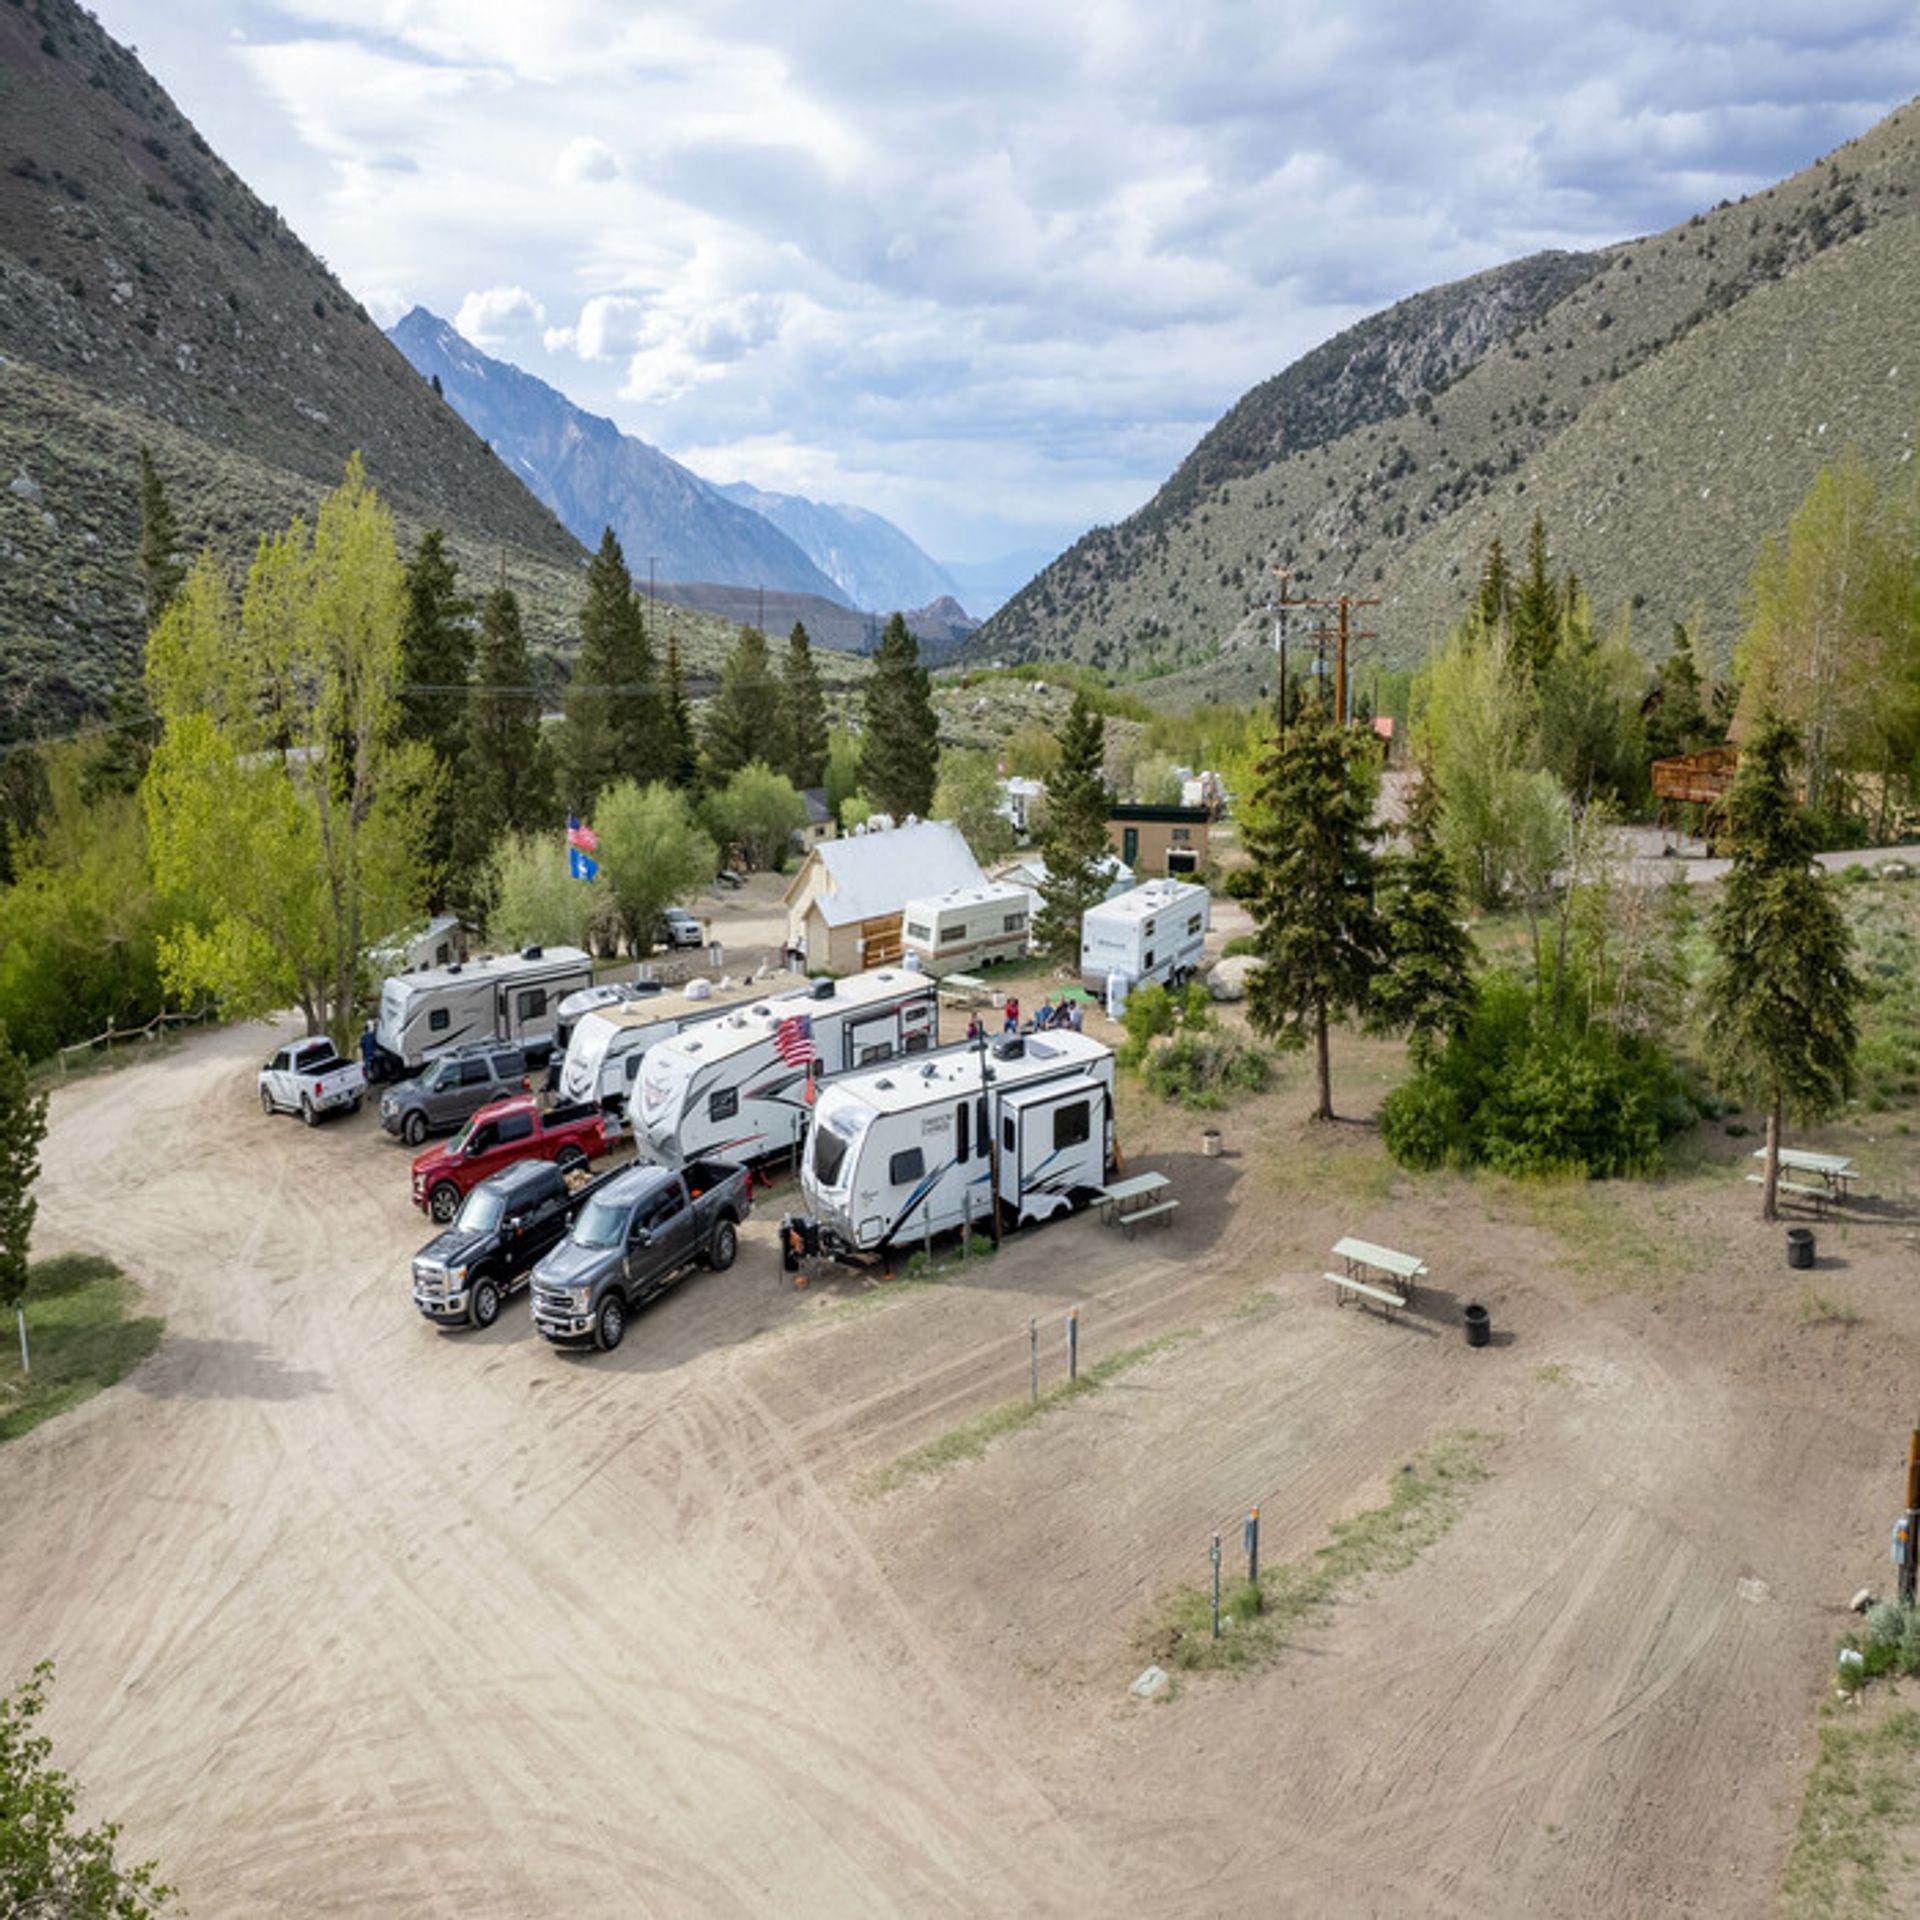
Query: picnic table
x=966, y=988
x=1131, y=1202
x=1834, y=1172
x=1375, y=1273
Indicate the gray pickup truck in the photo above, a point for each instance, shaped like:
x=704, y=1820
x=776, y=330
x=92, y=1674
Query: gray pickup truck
x=632, y=1240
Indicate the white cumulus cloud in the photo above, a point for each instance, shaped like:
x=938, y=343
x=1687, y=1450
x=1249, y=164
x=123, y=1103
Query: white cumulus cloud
x=496, y=317
x=585, y=161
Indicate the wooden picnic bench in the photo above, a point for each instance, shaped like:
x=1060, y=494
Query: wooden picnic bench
x=1834, y=1172
x=1133, y=1197
x=1820, y=1197
x=1347, y=1284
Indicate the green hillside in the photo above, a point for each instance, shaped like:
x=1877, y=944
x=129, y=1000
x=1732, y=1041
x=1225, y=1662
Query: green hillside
x=1664, y=403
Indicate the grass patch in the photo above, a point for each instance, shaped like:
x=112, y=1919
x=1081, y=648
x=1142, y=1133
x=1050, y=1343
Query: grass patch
x=1865, y=1785
x=1425, y=1500
x=972, y=1438
x=1819, y=1309
x=1554, y=1373
x=79, y=1336
x=1602, y=1226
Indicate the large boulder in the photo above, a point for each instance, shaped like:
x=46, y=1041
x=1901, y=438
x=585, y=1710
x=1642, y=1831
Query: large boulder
x=1228, y=980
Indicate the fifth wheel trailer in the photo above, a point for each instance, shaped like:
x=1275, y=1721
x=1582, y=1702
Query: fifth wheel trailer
x=909, y=1149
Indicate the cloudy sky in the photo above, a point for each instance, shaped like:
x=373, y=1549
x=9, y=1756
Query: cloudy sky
x=989, y=269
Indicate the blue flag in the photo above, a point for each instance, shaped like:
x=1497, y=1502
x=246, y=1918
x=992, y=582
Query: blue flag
x=580, y=866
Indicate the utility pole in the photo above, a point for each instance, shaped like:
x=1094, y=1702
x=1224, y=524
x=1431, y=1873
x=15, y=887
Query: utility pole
x=1340, y=670
x=1907, y=1567
x=1339, y=634
x=1279, y=609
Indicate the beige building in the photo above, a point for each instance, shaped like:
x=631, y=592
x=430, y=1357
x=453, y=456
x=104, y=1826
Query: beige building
x=1160, y=842
x=845, y=902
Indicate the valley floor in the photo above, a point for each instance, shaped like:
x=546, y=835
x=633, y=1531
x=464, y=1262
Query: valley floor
x=353, y=1615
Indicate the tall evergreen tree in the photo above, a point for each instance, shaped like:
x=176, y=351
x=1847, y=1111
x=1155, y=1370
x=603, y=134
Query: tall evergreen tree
x=1678, y=722
x=506, y=780
x=1310, y=888
x=1496, y=587
x=680, y=746
x=1535, y=608
x=162, y=572
x=1074, y=840
x=744, y=719
x=806, y=713
x=1426, y=990
x=605, y=709
x=436, y=669
x=1780, y=999
x=900, y=745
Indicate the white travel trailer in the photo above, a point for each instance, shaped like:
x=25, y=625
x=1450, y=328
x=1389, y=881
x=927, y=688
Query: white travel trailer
x=607, y=1043
x=437, y=943
x=909, y=1150
x=513, y=996
x=1154, y=935
x=735, y=1088
x=969, y=927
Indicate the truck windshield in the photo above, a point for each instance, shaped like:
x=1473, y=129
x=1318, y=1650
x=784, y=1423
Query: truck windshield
x=601, y=1224
x=481, y=1212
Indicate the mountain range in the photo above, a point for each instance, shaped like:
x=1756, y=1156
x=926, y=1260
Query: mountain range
x=694, y=539
x=1663, y=404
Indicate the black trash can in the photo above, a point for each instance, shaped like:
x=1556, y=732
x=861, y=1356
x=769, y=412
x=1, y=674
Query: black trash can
x=1799, y=1246
x=1479, y=1327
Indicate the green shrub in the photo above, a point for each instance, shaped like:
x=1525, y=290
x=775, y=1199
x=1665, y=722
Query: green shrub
x=1420, y=1123
x=1201, y=1070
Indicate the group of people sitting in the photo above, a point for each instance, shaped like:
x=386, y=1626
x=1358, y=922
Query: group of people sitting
x=1067, y=1016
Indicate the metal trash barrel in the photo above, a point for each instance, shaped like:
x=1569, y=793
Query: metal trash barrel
x=1479, y=1328
x=1800, y=1246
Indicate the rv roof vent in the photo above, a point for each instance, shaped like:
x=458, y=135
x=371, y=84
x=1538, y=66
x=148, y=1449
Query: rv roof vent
x=929, y=1071
x=1009, y=1047
x=455, y=968
x=532, y=953
x=821, y=990
x=884, y=1086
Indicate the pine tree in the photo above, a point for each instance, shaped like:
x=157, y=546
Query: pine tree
x=507, y=777
x=23, y=1125
x=680, y=747
x=1496, y=587
x=900, y=746
x=599, y=728
x=436, y=669
x=744, y=719
x=1780, y=1000
x=158, y=554
x=1426, y=990
x=1678, y=722
x=1310, y=888
x=1535, y=608
x=806, y=713
x=1074, y=840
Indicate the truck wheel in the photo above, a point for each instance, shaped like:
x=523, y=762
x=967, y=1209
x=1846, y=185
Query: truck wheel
x=413, y=1129
x=308, y=1112
x=266, y=1102
x=353, y=1105
x=444, y=1201
x=485, y=1304
x=725, y=1244
x=611, y=1326
x=569, y=1157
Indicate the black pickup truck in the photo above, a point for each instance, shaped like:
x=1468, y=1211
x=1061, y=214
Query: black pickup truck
x=640, y=1231
x=503, y=1228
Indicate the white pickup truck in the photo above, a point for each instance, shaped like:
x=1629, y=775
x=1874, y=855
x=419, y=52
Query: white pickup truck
x=309, y=1078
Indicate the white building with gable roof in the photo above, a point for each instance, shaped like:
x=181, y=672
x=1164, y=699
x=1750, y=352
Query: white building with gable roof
x=845, y=902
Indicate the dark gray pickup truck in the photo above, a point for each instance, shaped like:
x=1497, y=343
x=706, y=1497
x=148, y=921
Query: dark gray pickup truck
x=635, y=1237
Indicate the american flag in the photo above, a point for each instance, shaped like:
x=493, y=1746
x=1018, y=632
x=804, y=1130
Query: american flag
x=580, y=835
x=793, y=1041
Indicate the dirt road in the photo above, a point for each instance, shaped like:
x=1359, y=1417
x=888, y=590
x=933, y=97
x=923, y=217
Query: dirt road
x=352, y=1614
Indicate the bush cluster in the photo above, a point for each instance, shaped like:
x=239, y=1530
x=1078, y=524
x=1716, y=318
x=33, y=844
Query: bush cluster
x=1889, y=1644
x=1522, y=1091
x=1202, y=1070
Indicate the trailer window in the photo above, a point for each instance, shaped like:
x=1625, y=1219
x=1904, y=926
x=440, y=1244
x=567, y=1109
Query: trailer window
x=1014, y=923
x=829, y=1155
x=982, y=1133
x=962, y=1132
x=1146, y=962
x=1006, y=1134
x=1193, y=925
x=1072, y=1126
x=949, y=936
x=906, y=1167
x=915, y=931
x=724, y=1104
x=439, y=1020
x=533, y=1003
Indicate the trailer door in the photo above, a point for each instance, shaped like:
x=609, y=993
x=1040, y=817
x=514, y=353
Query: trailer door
x=1052, y=1144
x=873, y=1039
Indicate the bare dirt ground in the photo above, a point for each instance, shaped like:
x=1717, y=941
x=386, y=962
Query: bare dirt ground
x=352, y=1614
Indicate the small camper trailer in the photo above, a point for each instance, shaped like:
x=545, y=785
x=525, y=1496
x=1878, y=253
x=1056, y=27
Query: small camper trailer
x=514, y=996
x=1155, y=934
x=602, y=1064
x=914, y=1148
x=967, y=928
x=736, y=1088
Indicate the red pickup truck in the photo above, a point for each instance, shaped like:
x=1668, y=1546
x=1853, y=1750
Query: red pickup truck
x=498, y=1135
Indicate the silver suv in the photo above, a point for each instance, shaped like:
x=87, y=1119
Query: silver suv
x=450, y=1090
